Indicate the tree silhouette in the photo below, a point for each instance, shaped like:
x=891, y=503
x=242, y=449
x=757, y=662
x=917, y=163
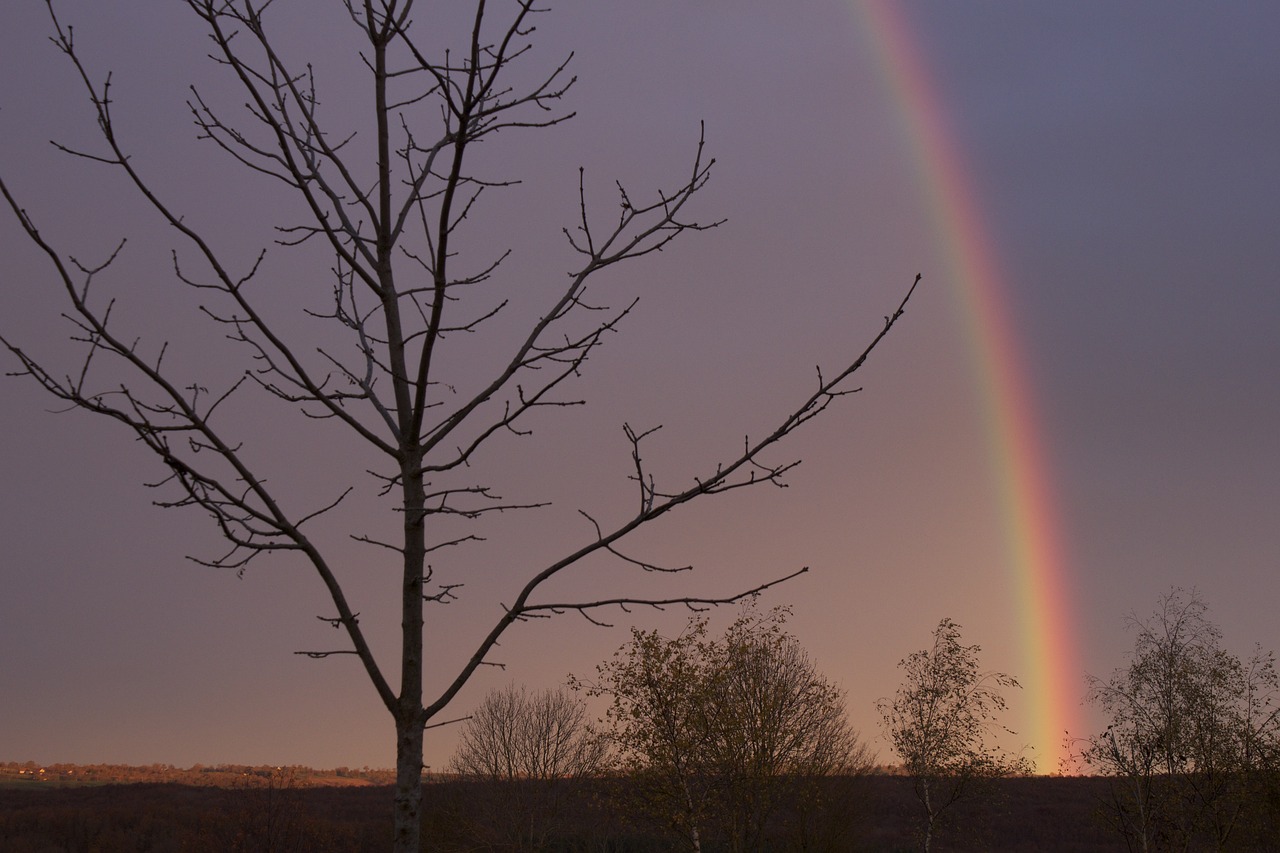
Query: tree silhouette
x=939, y=723
x=385, y=207
x=726, y=732
x=1192, y=736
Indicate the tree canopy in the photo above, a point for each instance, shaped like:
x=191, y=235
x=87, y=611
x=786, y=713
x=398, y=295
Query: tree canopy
x=725, y=733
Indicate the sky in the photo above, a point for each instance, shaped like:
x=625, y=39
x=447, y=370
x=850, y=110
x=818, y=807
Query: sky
x=1091, y=366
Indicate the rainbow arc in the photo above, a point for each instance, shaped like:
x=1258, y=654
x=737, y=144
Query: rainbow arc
x=1035, y=555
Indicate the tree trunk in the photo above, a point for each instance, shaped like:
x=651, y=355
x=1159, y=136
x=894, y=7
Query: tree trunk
x=695, y=839
x=408, y=803
x=409, y=713
x=930, y=816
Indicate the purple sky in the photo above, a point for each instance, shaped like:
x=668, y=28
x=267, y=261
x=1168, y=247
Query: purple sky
x=1126, y=159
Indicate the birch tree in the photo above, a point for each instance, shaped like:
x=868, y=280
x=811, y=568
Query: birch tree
x=1193, y=732
x=940, y=723
x=721, y=734
x=385, y=204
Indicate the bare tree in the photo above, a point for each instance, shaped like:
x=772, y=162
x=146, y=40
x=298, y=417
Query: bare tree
x=1191, y=732
x=515, y=734
x=725, y=733
x=526, y=749
x=387, y=208
x=940, y=722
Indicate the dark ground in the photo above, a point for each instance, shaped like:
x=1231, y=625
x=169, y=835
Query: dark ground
x=872, y=814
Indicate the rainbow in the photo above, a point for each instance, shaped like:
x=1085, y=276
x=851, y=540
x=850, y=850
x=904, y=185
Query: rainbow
x=1037, y=566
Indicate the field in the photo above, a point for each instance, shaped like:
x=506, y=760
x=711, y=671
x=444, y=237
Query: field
x=297, y=809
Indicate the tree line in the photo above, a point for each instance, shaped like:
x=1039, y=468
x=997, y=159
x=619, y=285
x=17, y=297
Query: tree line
x=738, y=742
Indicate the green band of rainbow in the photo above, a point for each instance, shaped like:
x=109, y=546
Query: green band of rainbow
x=1036, y=561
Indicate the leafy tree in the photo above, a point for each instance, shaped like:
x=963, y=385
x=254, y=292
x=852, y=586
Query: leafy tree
x=387, y=204
x=940, y=722
x=782, y=729
x=1192, y=734
x=728, y=732
x=526, y=748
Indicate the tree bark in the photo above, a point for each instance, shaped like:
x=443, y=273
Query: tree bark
x=410, y=716
x=408, y=801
